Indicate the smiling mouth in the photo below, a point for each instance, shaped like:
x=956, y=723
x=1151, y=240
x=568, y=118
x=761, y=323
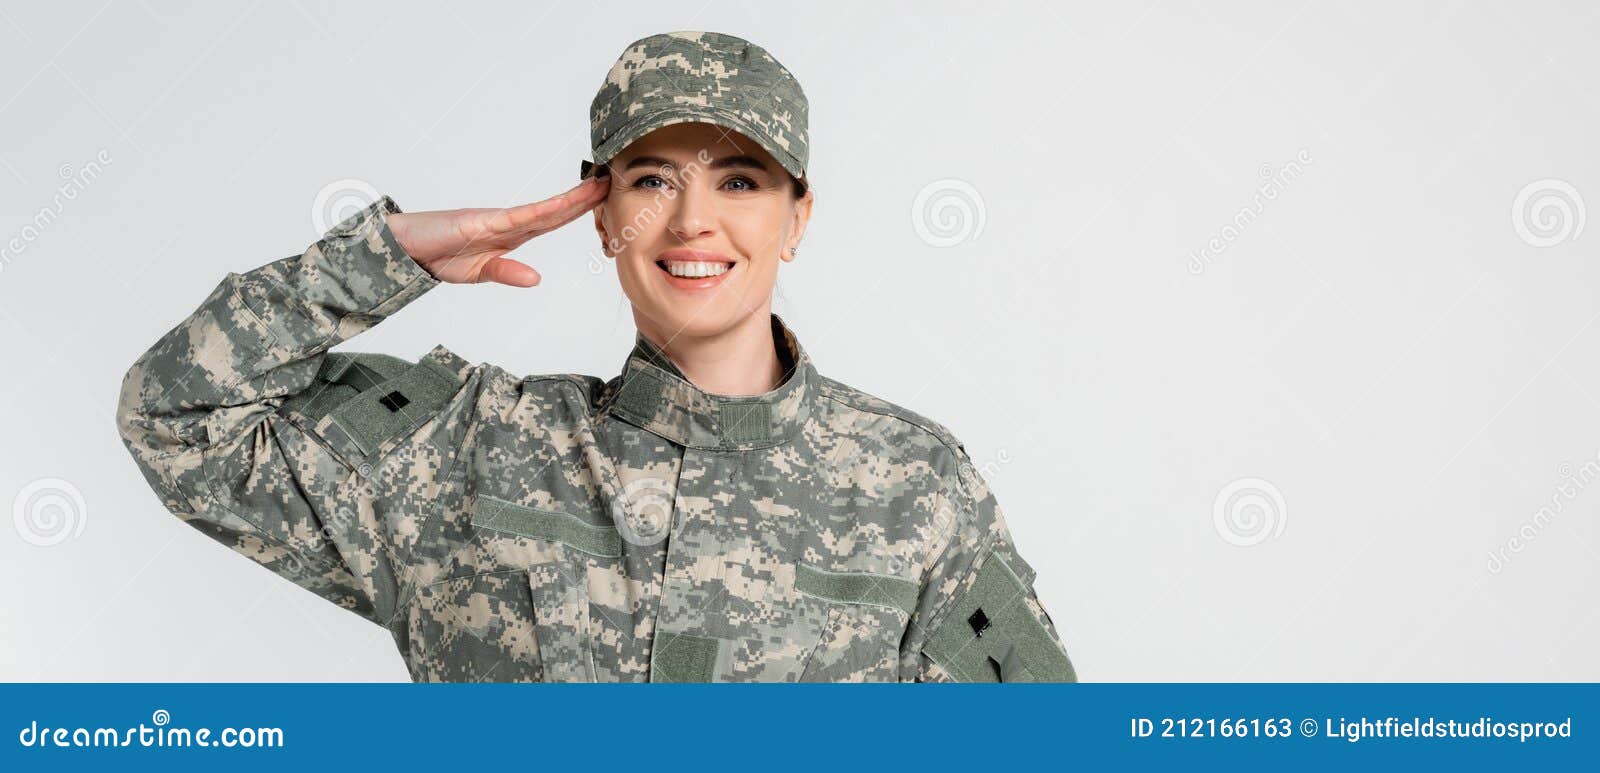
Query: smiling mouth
x=695, y=269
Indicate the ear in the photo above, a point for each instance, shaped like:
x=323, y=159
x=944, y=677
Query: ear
x=801, y=217
x=600, y=228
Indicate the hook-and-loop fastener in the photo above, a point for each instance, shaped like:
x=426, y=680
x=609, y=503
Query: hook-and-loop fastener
x=991, y=635
x=856, y=587
x=521, y=520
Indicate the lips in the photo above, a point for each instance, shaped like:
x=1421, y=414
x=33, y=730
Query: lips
x=691, y=269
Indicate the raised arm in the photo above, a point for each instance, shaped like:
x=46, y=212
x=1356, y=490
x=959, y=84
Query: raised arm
x=200, y=410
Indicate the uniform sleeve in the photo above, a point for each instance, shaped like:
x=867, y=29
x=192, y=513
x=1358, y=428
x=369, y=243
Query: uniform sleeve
x=978, y=618
x=199, y=411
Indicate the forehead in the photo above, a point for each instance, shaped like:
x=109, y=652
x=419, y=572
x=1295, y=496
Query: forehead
x=695, y=141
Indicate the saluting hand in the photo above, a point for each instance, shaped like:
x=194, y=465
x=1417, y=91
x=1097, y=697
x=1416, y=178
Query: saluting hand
x=464, y=246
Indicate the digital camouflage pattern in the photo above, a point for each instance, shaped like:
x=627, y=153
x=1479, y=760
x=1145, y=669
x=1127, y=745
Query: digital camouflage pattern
x=708, y=77
x=568, y=528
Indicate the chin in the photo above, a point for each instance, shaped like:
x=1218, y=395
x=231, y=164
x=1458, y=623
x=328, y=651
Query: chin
x=711, y=319
x=690, y=314
x=697, y=319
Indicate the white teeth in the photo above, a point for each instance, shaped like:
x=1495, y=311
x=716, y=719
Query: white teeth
x=695, y=269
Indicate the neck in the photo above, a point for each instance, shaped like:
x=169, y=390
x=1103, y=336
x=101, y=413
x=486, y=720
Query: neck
x=737, y=362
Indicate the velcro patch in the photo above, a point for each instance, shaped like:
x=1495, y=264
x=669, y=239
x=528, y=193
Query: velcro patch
x=745, y=422
x=990, y=635
x=394, y=405
x=524, y=521
x=682, y=657
x=857, y=587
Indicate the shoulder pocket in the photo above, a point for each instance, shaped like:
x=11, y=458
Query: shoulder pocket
x=990, y=633
x=365, y=400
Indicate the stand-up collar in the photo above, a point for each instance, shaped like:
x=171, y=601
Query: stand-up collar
x=656, y=396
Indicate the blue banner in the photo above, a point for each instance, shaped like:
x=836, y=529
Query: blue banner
x=794, y=727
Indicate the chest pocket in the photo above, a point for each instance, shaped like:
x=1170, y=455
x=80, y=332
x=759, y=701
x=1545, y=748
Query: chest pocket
x=526, y=541
x=867, y=616
x=553, y=554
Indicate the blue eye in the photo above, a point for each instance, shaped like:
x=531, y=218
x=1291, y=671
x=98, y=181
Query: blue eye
x=747, y=183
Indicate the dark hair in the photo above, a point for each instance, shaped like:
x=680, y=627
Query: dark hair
x=797, y=185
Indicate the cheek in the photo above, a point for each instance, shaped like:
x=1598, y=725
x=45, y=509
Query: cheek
x=628, y=225
x=762, y=269
x=759, y=235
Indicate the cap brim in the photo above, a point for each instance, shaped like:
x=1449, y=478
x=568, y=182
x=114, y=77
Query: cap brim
x=676, y=114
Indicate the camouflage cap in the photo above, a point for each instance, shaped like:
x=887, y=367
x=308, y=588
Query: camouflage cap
x=709, y=77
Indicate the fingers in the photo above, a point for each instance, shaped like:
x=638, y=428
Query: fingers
x=508, y=272
x=557, y=211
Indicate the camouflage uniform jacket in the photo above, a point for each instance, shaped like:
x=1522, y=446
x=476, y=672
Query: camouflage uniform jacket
x=569, y=528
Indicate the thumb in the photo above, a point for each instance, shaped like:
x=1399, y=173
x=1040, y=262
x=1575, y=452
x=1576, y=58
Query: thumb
x=508, y=272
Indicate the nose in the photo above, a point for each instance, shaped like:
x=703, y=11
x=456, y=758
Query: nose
x=694, y=214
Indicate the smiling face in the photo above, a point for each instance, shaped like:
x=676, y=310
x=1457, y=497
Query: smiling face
x=698, y=219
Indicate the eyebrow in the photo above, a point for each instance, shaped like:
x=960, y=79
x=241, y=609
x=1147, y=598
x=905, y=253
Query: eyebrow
x=726, y=162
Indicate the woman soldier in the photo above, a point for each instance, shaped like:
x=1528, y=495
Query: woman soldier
x=719, y=511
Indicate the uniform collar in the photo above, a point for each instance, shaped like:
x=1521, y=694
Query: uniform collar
x=656, y=396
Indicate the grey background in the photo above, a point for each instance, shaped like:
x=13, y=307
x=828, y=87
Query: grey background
x=1386, y=345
